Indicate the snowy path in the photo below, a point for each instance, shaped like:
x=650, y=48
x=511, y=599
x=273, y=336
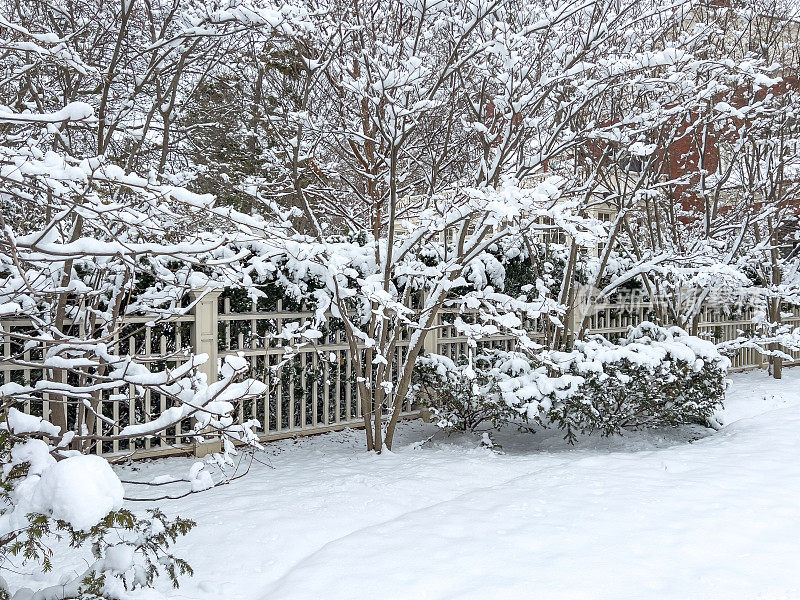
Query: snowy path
x=649, y=516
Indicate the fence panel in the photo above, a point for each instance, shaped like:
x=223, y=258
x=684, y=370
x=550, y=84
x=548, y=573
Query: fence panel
x=158, y=344
x=314, y=391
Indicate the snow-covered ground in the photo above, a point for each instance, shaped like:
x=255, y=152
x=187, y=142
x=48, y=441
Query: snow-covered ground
x=678, y=514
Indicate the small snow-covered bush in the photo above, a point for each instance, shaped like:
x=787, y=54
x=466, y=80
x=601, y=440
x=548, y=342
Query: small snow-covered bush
x=49, y=490
x=80, y=499
x=653, y=377
x=460, y=396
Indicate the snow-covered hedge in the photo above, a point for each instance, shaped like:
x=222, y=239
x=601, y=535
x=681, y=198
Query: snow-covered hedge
x=653, y=377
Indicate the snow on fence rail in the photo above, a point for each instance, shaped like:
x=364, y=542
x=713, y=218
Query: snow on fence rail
x=307, y=395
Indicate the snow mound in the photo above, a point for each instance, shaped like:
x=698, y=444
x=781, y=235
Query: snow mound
x=80, y=490
x=119, y=558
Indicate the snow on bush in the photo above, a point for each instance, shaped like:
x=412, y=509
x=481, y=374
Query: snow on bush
x=47, y=496
x=461, y=396
x=80, y=490
x=653, y=377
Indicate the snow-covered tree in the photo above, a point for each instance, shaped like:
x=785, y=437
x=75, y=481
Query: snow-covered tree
x=402, y=162
x=87, y=244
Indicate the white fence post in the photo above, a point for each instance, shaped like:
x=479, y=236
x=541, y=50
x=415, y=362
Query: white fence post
x=204, y=341
x=204, y=330
x=431, y=342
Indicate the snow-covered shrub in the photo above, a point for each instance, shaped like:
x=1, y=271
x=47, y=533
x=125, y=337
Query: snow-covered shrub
x=653, y=377
x=460, y=396
x=79, y=498
x=51, y=491
x=495, y=388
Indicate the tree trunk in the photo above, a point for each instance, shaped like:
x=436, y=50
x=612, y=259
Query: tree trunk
x=777, y=361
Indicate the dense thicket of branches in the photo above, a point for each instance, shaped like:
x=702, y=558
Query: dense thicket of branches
x=442, y=142
x=514, y=162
